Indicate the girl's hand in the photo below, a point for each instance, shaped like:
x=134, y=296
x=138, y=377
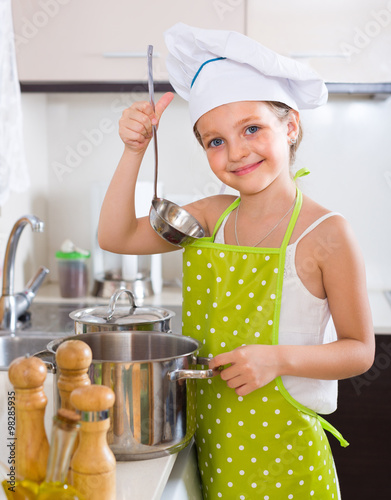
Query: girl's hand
x=135, y=125
x=251, y=367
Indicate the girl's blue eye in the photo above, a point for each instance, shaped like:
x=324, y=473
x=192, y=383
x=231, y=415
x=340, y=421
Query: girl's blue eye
x=252, y=129
x=215, y=143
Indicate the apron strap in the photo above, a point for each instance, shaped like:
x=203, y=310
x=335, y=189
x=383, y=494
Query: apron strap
x=335, y=432
x=323, y=422
x=223, y=216
x=299, y=201
x=326, y=425
x=301, y=173
x=292, y=222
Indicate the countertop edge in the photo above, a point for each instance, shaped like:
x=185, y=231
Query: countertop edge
x=143, y=478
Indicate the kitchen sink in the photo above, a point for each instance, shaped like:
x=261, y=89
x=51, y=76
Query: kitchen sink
x=42, y=323
x=12, y=347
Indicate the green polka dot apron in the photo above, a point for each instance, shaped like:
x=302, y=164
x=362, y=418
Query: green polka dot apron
x=264, y=445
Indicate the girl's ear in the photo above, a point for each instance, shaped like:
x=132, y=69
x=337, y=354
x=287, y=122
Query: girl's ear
x=293, y=123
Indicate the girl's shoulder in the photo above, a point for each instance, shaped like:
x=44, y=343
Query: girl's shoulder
x=327, y=230
x=208, y=210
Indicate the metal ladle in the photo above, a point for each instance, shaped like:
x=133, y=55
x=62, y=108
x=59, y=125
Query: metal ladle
x=172, y=222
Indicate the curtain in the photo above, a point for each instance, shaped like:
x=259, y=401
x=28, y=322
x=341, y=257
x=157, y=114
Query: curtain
x=14, y=174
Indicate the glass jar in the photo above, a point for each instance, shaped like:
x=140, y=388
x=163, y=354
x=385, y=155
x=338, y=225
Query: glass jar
x=72, y=273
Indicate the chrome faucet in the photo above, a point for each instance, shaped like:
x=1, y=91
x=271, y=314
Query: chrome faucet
x=12, y=305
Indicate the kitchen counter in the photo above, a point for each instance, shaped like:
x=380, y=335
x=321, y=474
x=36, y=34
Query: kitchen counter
x=143, y=479
x=381, y=312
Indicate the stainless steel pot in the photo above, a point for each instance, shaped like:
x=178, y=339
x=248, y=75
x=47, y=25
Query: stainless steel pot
x=154, y=410
x=119, y=317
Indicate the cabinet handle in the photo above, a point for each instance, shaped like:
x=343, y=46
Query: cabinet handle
x=302, y=55
x=131, y=55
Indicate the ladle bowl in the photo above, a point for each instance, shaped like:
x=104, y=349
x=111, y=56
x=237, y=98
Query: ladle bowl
x=170, y=221
x=173, y=223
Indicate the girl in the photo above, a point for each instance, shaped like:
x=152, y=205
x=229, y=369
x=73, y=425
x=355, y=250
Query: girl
x=258, y=290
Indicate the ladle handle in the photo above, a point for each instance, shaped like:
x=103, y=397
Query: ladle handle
x=152, y=101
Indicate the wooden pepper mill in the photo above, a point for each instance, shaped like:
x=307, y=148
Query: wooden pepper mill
x=73, y=359
x=27, y=375
x=93, y=463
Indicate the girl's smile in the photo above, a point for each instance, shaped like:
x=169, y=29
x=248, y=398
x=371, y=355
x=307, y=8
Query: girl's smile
x=246, y=169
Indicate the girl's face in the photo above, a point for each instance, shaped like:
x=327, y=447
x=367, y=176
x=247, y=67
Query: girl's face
x=247, y=145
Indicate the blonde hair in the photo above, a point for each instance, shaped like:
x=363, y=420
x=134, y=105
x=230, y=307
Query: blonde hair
x=282, y=111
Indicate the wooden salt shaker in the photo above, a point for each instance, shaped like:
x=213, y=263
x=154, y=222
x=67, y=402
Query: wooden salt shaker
x=93, y=464
x=27, y=375
x=73, y=358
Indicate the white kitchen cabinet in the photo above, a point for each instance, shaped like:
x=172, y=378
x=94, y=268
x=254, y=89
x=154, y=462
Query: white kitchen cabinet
x=344, y=41
x=106, y=40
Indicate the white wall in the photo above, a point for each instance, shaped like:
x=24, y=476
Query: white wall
x=346, y=147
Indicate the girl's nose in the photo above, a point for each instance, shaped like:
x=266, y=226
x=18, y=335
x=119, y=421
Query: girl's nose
x=238, y=150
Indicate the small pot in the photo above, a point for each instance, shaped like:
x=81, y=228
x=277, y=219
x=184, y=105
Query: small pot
x=154, y=410
x=114, y=317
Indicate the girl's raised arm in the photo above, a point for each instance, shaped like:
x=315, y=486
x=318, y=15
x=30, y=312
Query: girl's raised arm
x=119, y=230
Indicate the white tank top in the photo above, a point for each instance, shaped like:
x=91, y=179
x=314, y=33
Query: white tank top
x=304, y=320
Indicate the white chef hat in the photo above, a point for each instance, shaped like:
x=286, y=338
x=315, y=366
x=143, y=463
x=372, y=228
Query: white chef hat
x=209, y=68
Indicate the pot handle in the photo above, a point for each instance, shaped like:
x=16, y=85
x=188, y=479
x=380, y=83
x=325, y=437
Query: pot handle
x=197, y=374
x=49, y=364
x=113, y=302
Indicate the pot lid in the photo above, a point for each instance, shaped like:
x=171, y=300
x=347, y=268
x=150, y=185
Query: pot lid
x=121, y=315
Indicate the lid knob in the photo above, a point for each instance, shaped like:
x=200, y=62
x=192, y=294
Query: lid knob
x=115, y=297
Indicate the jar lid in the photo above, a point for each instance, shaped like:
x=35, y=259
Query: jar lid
x=70, y=251
x=120, y=315
x=72, y=255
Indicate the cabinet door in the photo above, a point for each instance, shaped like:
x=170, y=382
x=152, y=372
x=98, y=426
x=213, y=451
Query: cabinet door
x=344, y=41
x=106, y=40
x=363, y=417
